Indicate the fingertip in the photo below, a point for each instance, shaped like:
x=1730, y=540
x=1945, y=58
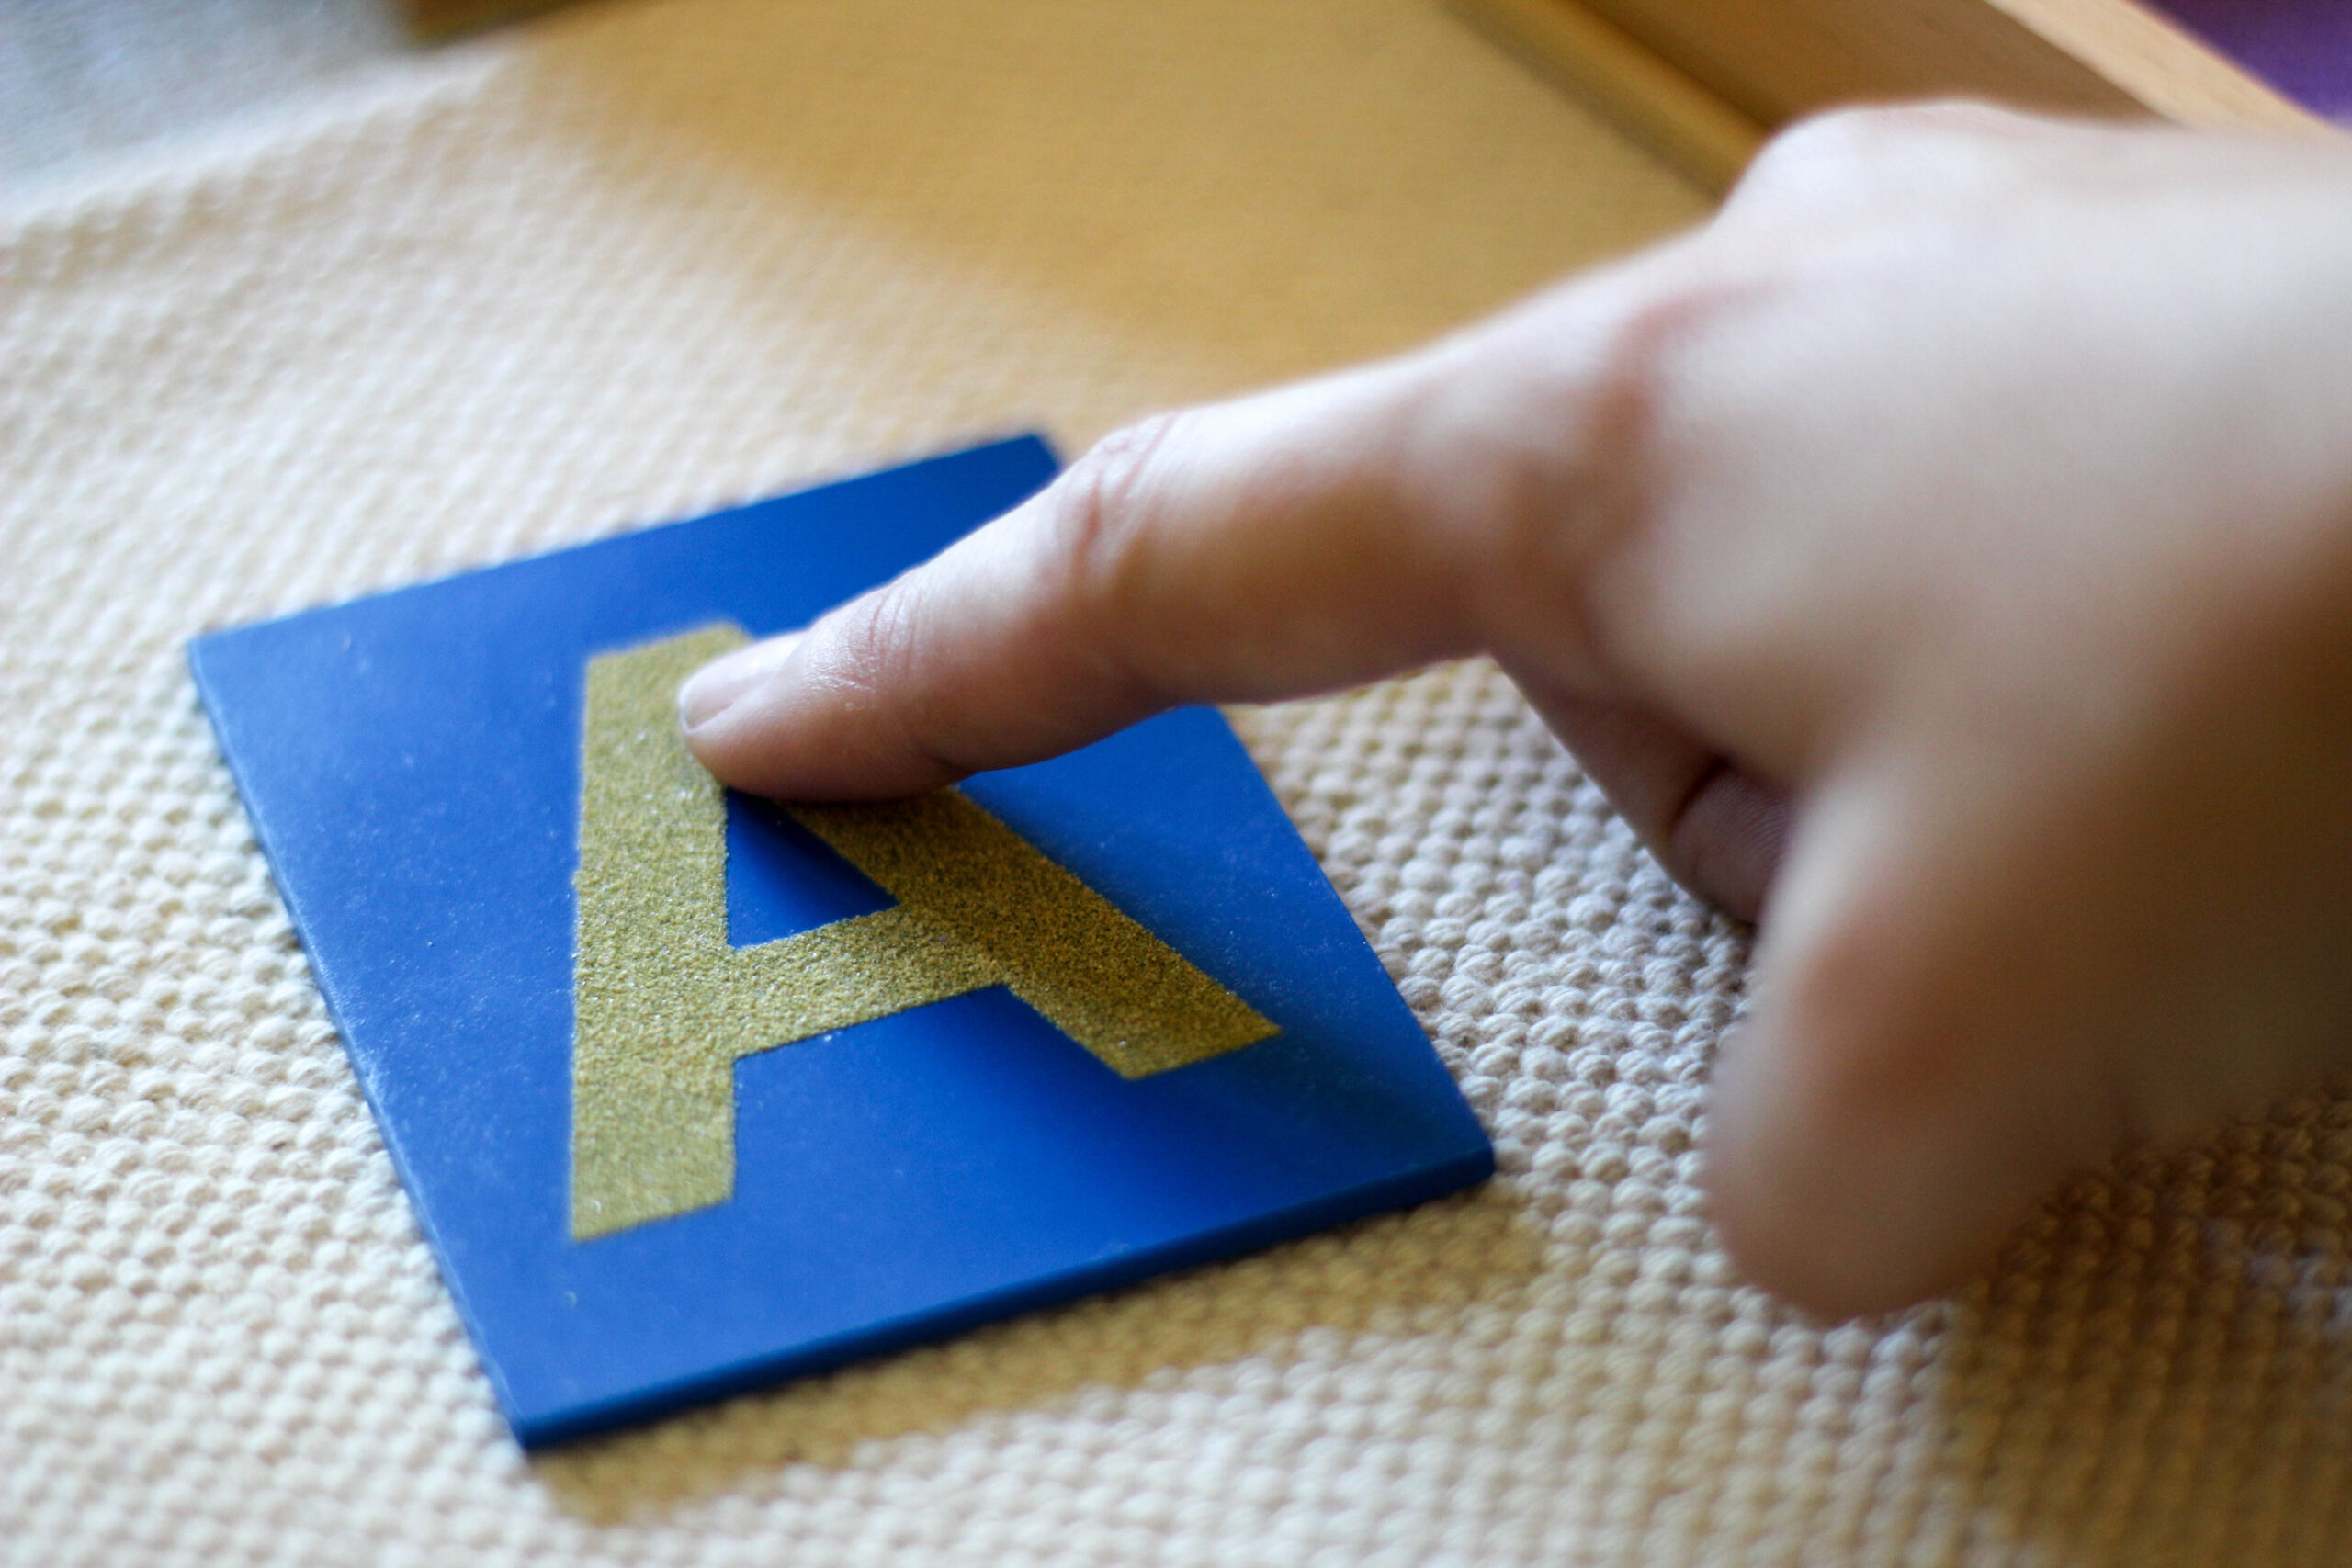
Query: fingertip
x=1819, y=1212
x=1880, y=1125
x=762, y=723
x=1862, y=1149
x=1852, y=1108
x=782, y=719
x=1729, y=839
x=710, y=691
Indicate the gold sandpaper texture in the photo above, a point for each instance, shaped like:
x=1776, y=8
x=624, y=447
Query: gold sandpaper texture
x=663, y=1004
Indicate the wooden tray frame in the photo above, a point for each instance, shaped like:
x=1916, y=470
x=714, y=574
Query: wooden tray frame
x=1704, y=81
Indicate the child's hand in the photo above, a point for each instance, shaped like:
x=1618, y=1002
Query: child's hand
x=1954, y=538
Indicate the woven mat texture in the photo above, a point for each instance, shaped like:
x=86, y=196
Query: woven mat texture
x=643, y=259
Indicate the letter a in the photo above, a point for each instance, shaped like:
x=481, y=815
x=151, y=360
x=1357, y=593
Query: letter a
x=664, y=1006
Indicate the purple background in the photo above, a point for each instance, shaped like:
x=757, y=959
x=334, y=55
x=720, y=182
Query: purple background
x=2303, y=48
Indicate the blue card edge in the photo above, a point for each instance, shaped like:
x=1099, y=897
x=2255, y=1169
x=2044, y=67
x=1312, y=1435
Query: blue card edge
x=420, y=1215
x=953, y=1318
x=196, y=646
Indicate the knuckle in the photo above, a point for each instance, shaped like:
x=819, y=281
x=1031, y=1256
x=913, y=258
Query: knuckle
x=1867, y=150
x=1619, y=397
x=1872, y=131
x=1633, y=377
x=1840, y=140
x=1097, y=524
x=1101, y=494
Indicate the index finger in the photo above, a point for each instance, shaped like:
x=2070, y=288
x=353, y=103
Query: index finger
x=1288, y=542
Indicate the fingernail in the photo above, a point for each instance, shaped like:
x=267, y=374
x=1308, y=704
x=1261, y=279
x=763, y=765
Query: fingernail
x=718, y=685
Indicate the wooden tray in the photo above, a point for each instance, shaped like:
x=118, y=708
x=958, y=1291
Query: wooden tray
x=1705, y=80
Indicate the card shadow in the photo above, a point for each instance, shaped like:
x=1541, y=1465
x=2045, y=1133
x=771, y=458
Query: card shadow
x=1397, y=1274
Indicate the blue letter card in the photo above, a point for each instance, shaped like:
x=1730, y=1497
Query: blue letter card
x=694, y=1091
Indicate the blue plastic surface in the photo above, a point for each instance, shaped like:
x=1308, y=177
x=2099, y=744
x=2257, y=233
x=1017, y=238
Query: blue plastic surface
x=411, y=765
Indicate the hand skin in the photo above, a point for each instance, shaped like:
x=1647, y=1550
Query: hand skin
x=1946, y=554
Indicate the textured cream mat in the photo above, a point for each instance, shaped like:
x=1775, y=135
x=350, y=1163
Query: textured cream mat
x=644, y=260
